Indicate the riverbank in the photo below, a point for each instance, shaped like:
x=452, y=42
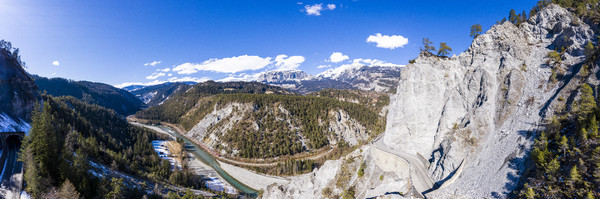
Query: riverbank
x=254, y=180
x=206, y=160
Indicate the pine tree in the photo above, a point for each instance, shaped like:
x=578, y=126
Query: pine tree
x=475, y=30
x=583, y=134
x=586, y=102
x=564, y=144
x=593, y=133
x=427, y=47
x=40, y=152
x=68, y=191
x=529, y=193
x=574, y=176
x=589, y=49
x=444, y=49
x=116, y=185
x=512, y=16
x=553, y=166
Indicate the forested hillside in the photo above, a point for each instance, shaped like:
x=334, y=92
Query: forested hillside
x=375, y=101
x=245, y=125
x=155, y=95
x=67, y=135
x=100, y=94
x=567, y=154
x=173, y=109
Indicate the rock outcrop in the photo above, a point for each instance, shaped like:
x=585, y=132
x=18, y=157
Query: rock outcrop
x=471, y=119
x=216, y=124
x=18, y=94
x=338, y=177
x=484, y=106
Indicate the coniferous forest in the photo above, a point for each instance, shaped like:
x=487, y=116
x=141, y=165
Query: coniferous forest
x=68, y=137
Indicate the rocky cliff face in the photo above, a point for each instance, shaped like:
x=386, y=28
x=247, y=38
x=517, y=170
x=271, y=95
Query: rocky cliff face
x=485, y=105
x=471, y=119
x=18, y=94
x=212, y=128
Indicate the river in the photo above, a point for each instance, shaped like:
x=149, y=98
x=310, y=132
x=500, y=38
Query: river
x=209, y=160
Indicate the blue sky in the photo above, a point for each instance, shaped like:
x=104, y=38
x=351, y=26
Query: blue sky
x=117, y=41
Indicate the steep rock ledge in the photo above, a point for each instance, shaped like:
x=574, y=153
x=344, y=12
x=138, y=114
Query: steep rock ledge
x=485, y=105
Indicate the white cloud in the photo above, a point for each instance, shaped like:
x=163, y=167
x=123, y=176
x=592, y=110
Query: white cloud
x=55, y=63
x=225, y=65
x=188, y=79
x=314, y=9
x=331, y=6
x=299, y=3
x=283, y=62
x=170, y=74
x=164, y=70
x=323, y=66
x=356, y=64
x=337, y=57
x=155, y=75
x=388, y=41
x=240, y=64
x=154, y=63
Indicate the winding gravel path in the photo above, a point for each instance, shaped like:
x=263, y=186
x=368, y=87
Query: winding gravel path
x=419, y=177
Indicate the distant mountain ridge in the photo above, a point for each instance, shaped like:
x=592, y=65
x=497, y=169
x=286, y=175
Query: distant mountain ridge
x=157, y=94
x=376, y=78
x=121, y=101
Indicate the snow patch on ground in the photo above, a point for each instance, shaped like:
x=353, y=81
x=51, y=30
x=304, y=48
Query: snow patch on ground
x=160, y=146
x=7, y=124
x=24, y=195
x=217, y=185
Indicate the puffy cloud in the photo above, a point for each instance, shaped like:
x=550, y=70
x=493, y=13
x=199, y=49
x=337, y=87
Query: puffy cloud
x=331, y=6
x=225, y=65
x=313, y=9
x=323, y=66
x=240, y=64
x=164, y=70
x=316, y=9
x=155, y=75
x=240, y=77
x=283, y=62
x=154, y=63
x=388, y=41
x=188, y=79
x=55, y=63
x=337, y=57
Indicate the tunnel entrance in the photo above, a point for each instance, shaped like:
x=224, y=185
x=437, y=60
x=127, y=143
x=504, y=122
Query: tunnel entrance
x=9, y=159
x=13, y=140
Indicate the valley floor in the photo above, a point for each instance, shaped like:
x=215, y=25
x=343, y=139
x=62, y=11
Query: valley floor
x=254, y=180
